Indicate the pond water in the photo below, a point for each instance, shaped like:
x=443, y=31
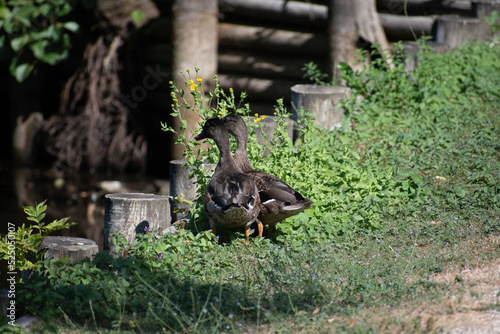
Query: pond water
x=79, y=196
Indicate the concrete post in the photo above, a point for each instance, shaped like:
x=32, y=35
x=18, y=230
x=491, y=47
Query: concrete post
x=321, y=101
x=130, y=214
x=76, y=249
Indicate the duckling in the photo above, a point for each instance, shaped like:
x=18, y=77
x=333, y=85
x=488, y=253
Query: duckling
x=278, y=200
x=231, y=198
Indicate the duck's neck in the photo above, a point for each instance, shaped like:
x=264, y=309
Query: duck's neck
x=241, y=154
x=226, y=161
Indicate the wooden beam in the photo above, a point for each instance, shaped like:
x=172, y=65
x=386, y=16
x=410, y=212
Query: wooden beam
x=272, y=40
x=399, y=27
x=424, y=7
x=258, y=89
x=278, y=11
x=264, y=65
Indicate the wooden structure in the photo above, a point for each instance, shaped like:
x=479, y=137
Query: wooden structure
x=261, y=46
x=255, y=46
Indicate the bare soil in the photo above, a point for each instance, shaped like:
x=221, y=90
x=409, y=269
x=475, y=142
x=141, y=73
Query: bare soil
x=472, y=305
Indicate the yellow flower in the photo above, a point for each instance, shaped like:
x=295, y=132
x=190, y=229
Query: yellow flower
x=175, y=100
x=199, y=79
x=263, y=116
x=187, y=70
x=256, y=115
x=190, y=82
x=257, y=120
x=193, y=87
x=231, y=89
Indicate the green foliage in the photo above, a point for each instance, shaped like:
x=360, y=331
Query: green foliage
x=32, y=32
x=407, y=188
x=313, y=73
x=492, y=20
x=25, y=241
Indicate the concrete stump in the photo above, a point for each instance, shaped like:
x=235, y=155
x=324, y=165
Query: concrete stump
x=482, y=8
x=320, y=101
x=59, y=247
x=130, y=214
x=411, y=52
x=455, y=31
x=181, y=183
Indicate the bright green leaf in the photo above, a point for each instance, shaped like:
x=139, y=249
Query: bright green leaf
x=22, y=71
x=72, y=26
x=19, y=42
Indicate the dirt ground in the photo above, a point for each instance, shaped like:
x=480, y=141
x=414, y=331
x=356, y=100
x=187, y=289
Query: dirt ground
x=471, y=306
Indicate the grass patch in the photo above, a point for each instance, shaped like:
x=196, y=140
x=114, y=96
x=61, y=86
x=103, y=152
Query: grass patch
x=407, y=190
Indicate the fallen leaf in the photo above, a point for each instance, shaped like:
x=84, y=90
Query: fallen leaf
x=353, y=323
x=316, y=310
x=440, y=178
x=331, y=320
x=435, y=222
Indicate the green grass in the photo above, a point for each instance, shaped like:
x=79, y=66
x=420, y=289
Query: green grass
x=410, y=191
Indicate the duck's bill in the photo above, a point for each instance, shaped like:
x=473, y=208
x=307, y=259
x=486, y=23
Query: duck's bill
x=200, y=136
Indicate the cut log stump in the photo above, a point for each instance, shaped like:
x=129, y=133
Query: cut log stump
x=411, y=52
x=182, y=185
x=130, y=214
x=59, y=247
x=455, y=31
x=321, y=101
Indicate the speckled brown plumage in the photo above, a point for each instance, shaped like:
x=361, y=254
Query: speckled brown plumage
x=231, y=198
x=278, y=200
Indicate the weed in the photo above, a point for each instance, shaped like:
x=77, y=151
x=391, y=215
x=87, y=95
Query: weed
x=406, y=194
x=22, y=246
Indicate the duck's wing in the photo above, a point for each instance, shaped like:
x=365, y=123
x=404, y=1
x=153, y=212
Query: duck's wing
x=271, y=188
x=233, y=190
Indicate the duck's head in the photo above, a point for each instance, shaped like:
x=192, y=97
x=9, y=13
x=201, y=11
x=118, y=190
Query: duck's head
x=235, y=125
x=213, y=128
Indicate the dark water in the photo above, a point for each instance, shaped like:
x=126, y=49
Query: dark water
x=80, y=197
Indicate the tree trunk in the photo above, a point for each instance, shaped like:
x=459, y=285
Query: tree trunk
x=194, y=30
x=91, y=129
x=350, y=21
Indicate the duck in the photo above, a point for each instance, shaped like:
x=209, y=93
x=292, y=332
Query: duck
x=278, y=200
x=231, y=198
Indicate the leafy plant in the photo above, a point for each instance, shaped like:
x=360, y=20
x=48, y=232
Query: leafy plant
x=33, y=32
x=313, y=72
x=407, y=188
x=492, y=20
x=27, y=240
